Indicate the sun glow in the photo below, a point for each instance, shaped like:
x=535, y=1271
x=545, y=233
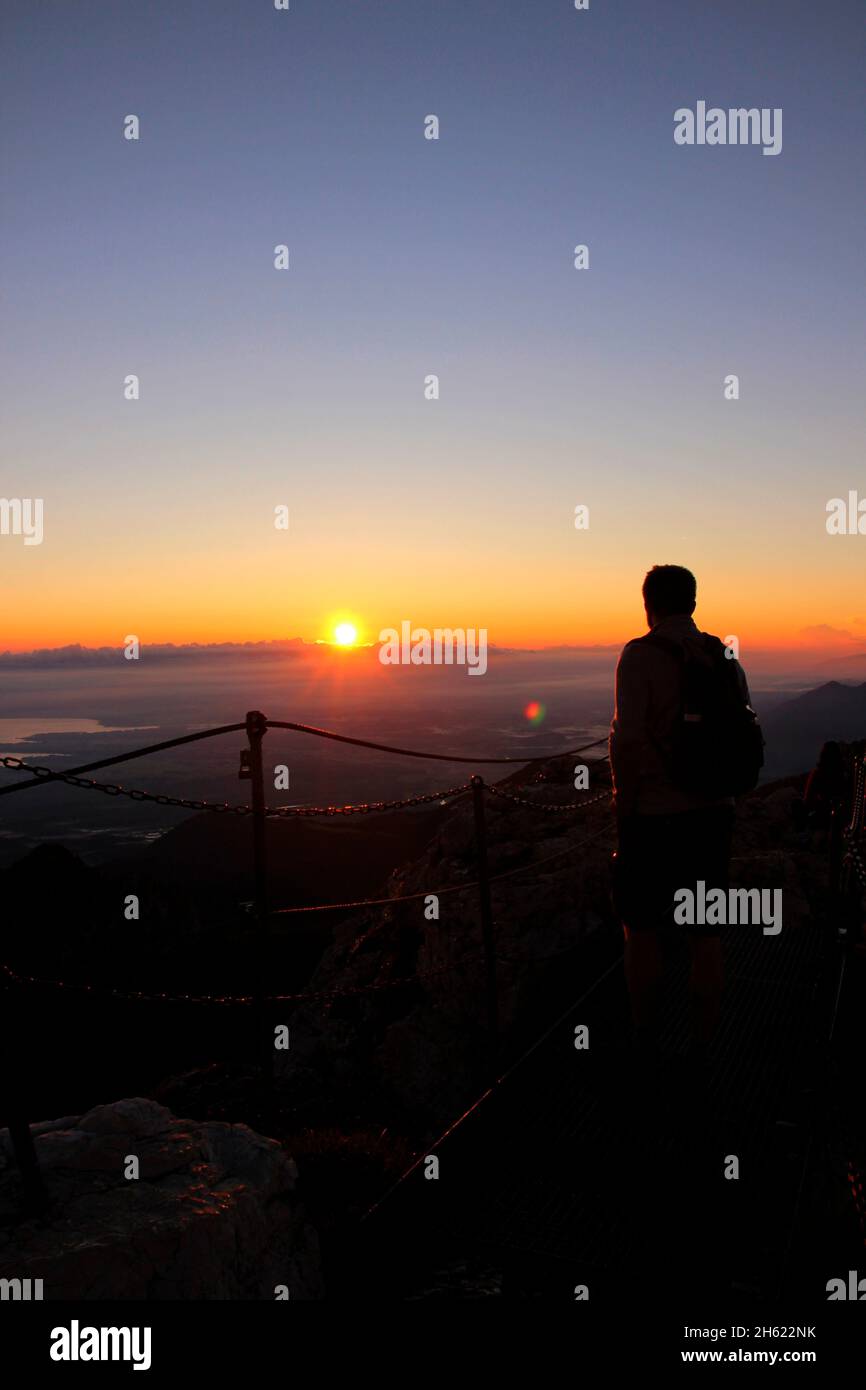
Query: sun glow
x=345, y=634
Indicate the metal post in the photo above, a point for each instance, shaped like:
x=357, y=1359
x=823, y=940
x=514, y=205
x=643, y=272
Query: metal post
x=35, y=1194
x=256, y=725
x=486, y=922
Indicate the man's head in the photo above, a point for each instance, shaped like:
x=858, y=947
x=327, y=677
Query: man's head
x=668, y=590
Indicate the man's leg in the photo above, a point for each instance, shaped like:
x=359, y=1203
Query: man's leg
x=710, y=855
x=705, y=987
x=642, y=908
x=643, y=972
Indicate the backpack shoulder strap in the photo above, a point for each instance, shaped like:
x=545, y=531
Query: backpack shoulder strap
x=715, y=647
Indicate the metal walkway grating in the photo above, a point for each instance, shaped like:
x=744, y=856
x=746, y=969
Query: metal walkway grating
x=585, y=1168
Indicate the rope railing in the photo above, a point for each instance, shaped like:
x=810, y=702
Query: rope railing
x=72, y=777
x=450, y=888
x=142, y=752
x=437, y=757
x=49, y=774
x=256, y=726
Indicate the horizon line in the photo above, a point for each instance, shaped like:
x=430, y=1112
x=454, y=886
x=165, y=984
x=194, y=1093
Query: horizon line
x=839, y=649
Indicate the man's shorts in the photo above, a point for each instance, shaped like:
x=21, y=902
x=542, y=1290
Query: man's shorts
x=658, y=855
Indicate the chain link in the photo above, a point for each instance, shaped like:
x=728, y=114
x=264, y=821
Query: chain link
x=546, y=806
x=855, y=856
x=48, y=774
x=850, y=833
x=235, y=1000
x=365, y=807
x=187, y=803
x=290, y=812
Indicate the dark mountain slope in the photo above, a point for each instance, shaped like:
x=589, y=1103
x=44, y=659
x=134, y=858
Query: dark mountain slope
x=796, y=730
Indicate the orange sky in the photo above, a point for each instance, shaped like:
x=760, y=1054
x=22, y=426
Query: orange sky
x=207, y=564
x=101, y=598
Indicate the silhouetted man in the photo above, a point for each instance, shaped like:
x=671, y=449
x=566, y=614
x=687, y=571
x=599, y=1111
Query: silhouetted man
x=672, y=832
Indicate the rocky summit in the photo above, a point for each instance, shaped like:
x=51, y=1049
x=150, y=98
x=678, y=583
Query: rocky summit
x=212, y=1213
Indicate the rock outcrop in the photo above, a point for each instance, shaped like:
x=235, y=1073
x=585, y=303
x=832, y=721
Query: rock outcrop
x=423, y=1044
x=212, y=1214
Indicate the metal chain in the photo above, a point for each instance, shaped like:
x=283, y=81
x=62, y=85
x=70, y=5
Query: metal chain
x=364, y=807
x=321, y=994
x=288, y=812
x=859, y=799
x=234, y=1000
x=547, y=806
x=855, y=856
x=190, y=804
x=48, y=774
x=850, y=831
x=134, y=794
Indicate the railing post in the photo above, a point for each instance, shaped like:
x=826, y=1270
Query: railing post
x=486, y=923
x=35, y=1194
x=257, y=725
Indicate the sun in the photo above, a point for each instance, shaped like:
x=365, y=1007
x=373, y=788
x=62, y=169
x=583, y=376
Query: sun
x=345, y=634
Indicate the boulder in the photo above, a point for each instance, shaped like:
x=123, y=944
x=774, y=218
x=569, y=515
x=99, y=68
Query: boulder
x=213, y=1214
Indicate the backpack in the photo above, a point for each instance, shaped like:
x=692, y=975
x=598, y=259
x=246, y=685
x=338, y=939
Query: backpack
x=717, y=748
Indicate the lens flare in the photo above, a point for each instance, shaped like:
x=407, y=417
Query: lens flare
x=535, y=712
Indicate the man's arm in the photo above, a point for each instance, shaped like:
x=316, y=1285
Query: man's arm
x=628, y=732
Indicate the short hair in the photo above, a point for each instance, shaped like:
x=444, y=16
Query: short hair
x=670, y=589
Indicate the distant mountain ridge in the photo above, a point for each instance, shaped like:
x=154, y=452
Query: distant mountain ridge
x=796, y=730
x=77, y=655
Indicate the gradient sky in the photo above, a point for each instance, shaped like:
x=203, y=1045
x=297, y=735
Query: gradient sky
x=410, y=257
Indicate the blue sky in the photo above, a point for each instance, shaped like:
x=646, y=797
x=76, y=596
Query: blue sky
x=410, y=256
